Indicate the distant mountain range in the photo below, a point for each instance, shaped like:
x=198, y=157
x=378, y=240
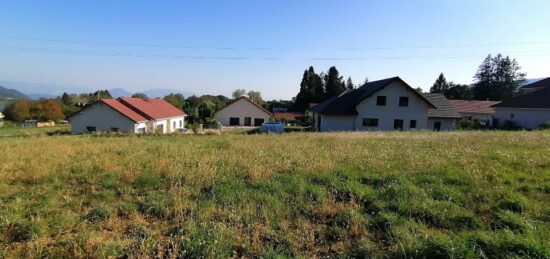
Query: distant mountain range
x=11, y=93
x=36, y=91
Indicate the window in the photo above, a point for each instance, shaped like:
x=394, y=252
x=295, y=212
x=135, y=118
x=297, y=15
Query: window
x=90, y=129
x=247, y=121
x=258, y=122
x=398, y=124
x=368, y=122
x=437, y=125
x=181, y=123
x=141, y=130
x=512, y=115
x=234, y=121
x=174, y=124
x=403, y=101
x=115, y=130
x=381, y=100
x=412, y=124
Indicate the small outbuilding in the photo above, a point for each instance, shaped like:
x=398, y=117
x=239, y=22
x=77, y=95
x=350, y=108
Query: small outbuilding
x=243, y=112
x=444, y=117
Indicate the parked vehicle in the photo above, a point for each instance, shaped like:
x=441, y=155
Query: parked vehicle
x=272, y=127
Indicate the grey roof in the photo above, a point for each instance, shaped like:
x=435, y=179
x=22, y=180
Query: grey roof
x=536, y=83
x=539, y=99
x=444, y=108
x=345, y=103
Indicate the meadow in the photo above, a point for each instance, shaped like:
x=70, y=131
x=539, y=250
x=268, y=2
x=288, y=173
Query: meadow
x=384, y=195
x=22, y=131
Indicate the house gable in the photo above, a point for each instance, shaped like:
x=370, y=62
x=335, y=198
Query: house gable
x=416, y=109
x=102, y=117
x=345, y=103
x=242, y=108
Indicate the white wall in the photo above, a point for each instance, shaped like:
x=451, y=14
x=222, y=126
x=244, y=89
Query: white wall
x=241, y=109
x=416, y=110
x=447, y=124
x=525, y=118
x=337, y=123
x=103, y=118
x=168, y=124
x=487, y=118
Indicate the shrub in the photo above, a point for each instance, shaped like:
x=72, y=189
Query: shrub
x=545, y=125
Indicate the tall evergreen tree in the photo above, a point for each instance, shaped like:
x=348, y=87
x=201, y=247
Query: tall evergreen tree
x=66, y=99
x=497, y=78
x=349, y=84
x=441, y=85
x=334, y=83
x=311, y=90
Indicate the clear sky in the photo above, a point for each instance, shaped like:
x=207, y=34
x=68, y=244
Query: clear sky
x=215, y=47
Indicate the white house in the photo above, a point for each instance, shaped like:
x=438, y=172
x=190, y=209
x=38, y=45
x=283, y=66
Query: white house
x=130, y=115
x=389, y=104
x=243, y=112
x=527, y=111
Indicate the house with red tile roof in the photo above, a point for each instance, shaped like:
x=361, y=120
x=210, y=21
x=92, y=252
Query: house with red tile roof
x=472, y=110
x=129, y=115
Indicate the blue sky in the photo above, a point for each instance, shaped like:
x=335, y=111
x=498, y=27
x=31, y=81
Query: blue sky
x=215, y=47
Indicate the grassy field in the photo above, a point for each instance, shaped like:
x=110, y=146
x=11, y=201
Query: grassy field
x=436, y=195
x=19, y=131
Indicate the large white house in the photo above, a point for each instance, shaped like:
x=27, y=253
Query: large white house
x=243, y=112
x=130, y=115
x=527, y=111
x=389, y=104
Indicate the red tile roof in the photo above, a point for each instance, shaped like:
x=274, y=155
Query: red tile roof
x=471, y=106
x=287, y=115
x=124, y=110
x=152, y=108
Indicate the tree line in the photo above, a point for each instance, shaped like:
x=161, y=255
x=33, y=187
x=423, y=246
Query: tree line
x=496, y=79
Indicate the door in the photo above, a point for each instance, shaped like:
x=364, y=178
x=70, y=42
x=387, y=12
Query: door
x=398, y=124
x=160, y=128
x=437, y=125
x=258, y=122
x=318, y=122
x=247, y=121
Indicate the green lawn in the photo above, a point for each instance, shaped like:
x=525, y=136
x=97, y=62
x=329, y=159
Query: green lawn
x=62, y=129
x=386, y=195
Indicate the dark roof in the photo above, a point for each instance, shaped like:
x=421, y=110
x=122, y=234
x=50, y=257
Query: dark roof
x=539, y=83
x=539, y=99
x=472, y=106
x=345, y=103
x=444, y=108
